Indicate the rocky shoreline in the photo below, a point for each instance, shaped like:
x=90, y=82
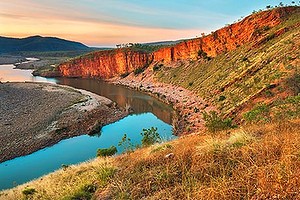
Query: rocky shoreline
x=37, y=115
x=188, y=105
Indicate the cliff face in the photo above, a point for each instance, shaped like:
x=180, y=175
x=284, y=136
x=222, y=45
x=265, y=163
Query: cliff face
x=226, y=39
x=107, y=64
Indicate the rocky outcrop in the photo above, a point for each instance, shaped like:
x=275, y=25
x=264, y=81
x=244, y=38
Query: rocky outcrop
x=107, y=64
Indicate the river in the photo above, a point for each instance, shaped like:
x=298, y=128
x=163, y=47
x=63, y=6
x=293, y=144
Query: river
x=147, y=112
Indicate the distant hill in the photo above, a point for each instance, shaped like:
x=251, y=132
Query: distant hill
x=38, y=43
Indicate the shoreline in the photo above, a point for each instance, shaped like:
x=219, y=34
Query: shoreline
x=38, y=115
x=187, y=105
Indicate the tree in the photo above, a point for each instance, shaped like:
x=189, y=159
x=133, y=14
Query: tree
x=150, y=136
x=126, y=144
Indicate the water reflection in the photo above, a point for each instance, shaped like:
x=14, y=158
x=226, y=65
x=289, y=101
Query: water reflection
x=9, y=73
x=141, y=103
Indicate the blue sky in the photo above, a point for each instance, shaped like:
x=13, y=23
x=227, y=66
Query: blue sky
x=108, y=22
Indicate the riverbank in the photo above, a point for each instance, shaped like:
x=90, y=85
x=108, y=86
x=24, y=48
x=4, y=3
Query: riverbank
x=226, y=165
x=188, y=105
x=36, y=115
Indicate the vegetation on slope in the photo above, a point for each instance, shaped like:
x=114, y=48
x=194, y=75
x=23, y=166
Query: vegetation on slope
x=232, y=79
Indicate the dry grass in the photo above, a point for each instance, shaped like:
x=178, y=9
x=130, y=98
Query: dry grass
x=256, y=162
x=65, y=182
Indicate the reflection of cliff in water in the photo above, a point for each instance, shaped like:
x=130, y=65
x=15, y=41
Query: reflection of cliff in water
x=141, y=103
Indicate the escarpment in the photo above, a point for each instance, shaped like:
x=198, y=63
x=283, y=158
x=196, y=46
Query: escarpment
x=110, y=63
x=105, y=64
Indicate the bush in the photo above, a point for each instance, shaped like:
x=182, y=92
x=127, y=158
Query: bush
x=214, y=122
x=138, y=71
x=150, y=136
x=222, y=98
x=270, y=36
x=107, y=152
x=203, y=54
x=157, y=67
x=126, y=144
x=293, y=83
x=84, y=193
x=259, y=113
x=28, y=192
x=245, y=59
x=105, y=174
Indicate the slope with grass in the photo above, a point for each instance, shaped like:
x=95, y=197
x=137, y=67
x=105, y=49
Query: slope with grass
x=261, y=70
x=255, y=162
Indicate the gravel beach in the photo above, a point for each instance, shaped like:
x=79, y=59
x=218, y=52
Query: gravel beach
x=36, y=115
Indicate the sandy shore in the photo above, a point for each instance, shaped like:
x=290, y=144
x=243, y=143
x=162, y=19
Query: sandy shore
x=187, y=104
x=36, y=115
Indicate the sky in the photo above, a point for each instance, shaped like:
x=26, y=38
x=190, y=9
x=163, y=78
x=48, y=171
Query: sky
x=111, y=22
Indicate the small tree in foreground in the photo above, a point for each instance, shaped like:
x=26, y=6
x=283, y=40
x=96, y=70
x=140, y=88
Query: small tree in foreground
x=150, y=136
x=107, y=152
x=126, y=144
x=215, y=122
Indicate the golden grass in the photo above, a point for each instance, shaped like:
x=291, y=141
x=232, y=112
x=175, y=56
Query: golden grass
x=63, y=182
x=254, y=162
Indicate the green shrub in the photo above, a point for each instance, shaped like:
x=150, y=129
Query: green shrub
x=126, y=144
x=245, y=59
x=107, y=152
x=270, y=36
x=222, y=98
x=150, y=136
x=293, y=83
x=191, y=83
x=214, y=122
x=28, y=192
x=203, y=54
x=162, y=148
x=105, y=174
x=157, y=67
x=84, y=193
x=64, y=167
x=196, y=110
x=260, y=112
x=138, y=71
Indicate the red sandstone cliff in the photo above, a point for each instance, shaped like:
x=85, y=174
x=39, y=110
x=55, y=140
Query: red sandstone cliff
x=106, y=64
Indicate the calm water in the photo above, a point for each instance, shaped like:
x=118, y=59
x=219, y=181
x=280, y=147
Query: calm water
x=148, y=112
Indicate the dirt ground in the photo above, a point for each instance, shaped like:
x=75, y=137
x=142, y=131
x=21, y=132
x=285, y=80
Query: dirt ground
x=36, y=115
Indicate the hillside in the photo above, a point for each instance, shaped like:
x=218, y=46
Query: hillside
x=255, y=58
x=38, y=44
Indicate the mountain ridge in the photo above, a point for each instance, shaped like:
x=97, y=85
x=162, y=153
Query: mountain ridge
x=38, y=43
